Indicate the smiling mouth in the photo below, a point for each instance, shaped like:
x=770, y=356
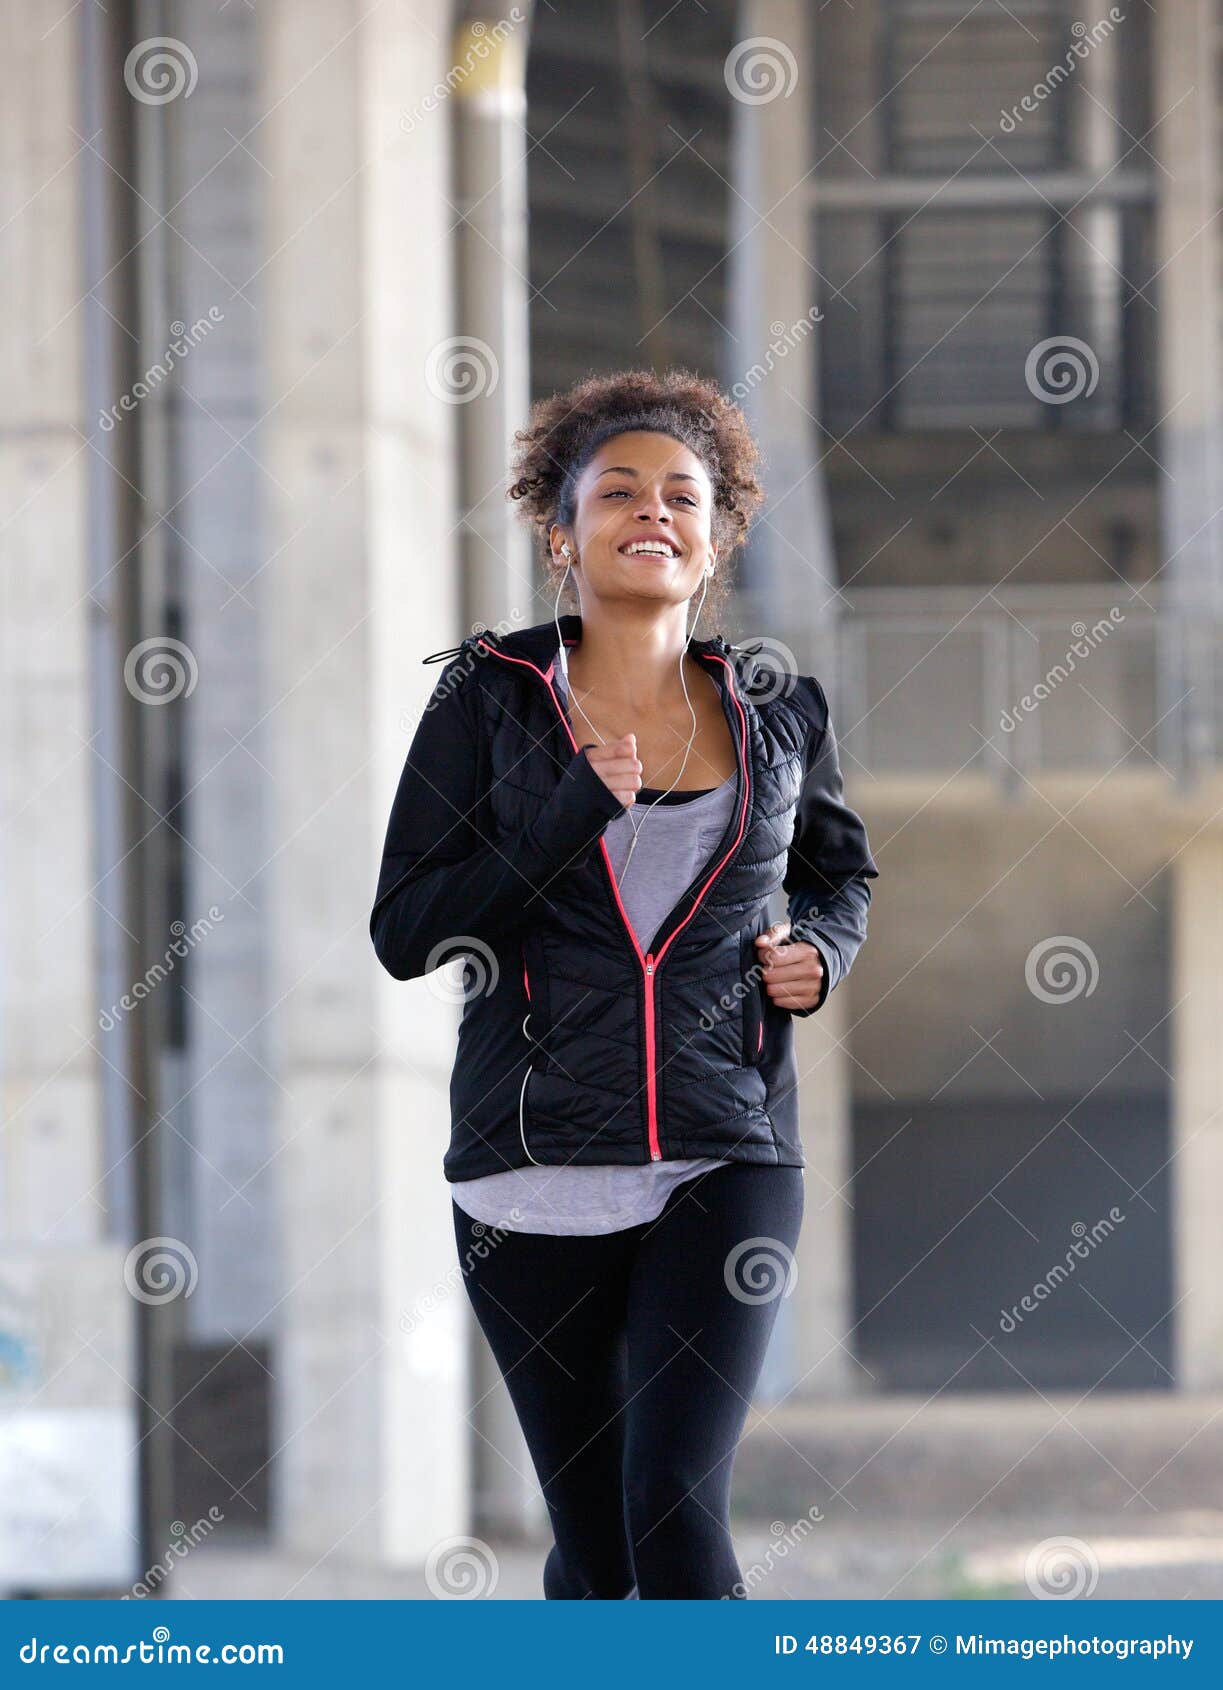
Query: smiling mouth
x=648, y=548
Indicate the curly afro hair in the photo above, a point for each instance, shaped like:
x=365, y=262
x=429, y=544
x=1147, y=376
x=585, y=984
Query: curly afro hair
x=567, y=429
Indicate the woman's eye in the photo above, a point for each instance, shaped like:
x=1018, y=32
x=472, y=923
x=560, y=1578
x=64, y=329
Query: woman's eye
x=686, y=497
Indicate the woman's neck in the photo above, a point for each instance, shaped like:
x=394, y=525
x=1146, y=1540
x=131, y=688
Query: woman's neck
x=631, y=667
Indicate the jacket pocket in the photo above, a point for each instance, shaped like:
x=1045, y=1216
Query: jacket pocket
x=537, y=1019
x=524, y=1117
x=753, y=1002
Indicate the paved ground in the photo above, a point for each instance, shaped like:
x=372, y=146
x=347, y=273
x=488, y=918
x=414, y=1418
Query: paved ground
x=1172, y=1556
x=1113, y=1496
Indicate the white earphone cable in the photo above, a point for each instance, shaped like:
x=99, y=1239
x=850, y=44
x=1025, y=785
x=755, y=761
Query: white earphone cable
x=564, y=664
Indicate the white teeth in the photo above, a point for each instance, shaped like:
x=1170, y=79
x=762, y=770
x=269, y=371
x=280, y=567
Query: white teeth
x=653, y=547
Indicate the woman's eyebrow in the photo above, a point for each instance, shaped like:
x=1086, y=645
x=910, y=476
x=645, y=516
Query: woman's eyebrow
x=624, y=469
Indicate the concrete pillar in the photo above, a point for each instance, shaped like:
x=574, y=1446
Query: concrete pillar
x=771, y=357
x=772, y=370
x=1093, y=231
x=67, y=1427
x=1188, y=262
x=815, y=1342
x=492, y=375
x=1197, y=1110
x=360, y=580
x=224, y=1170
x=489, y=364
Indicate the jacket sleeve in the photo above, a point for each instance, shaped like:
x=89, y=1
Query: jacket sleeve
x=830, y=864
x=446, y=877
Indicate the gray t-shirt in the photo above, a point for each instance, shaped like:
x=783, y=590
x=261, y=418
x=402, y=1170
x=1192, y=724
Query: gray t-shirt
x=677, y=837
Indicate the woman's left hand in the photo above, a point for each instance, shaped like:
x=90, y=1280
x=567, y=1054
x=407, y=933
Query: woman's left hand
x=793, y=973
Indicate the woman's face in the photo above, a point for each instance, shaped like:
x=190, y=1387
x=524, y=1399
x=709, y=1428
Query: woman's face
x=641, y=489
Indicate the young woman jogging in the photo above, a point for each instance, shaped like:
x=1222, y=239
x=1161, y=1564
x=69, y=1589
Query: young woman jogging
x=596, y=811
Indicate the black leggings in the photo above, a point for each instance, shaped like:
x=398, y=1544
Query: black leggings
x=631, y=1358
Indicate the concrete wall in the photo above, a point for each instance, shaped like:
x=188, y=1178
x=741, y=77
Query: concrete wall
x=67, y=1431
x=358, y=579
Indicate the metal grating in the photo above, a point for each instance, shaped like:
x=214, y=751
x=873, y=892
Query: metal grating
x=602, y=299
x=956, y=242
x=951, y=72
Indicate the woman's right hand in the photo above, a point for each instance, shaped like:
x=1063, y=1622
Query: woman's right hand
x=617, y=766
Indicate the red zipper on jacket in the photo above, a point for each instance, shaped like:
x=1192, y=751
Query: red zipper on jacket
x=649, y=963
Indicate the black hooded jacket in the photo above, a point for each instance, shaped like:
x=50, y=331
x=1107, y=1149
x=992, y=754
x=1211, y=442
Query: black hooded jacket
x=576, y=1045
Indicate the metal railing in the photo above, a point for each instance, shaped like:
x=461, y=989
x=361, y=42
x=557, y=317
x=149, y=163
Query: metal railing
x=1054, y=678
